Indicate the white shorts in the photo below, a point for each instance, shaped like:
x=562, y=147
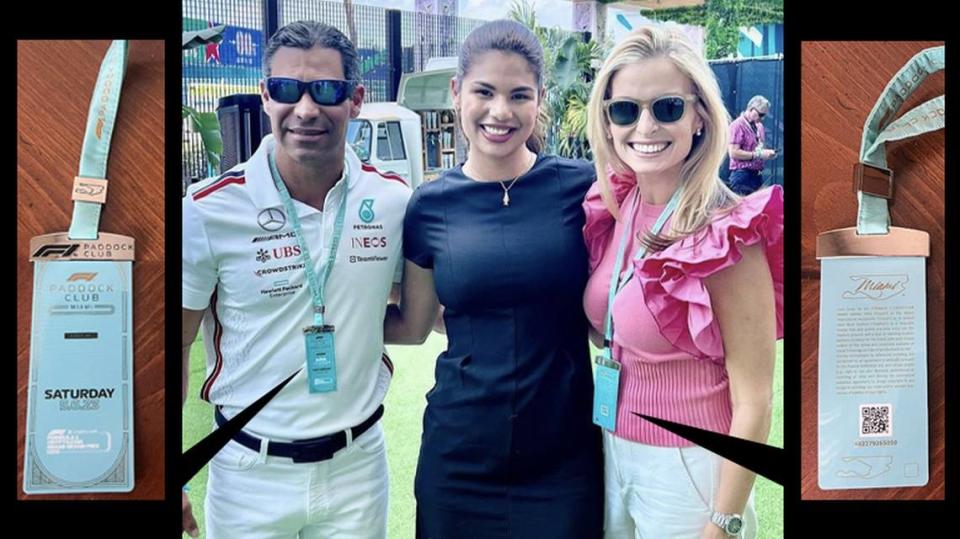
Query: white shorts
x=661, y=492
x=253, y=495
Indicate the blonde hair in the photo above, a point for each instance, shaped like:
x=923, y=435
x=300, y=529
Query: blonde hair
x=704, y=192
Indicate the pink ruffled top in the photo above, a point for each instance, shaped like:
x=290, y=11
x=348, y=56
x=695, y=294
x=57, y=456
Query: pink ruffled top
x=665, y=334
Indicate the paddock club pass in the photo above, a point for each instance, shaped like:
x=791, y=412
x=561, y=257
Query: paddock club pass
x=79, y=399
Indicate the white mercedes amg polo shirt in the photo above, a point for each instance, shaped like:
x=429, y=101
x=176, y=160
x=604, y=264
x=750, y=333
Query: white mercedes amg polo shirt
x=241, y=259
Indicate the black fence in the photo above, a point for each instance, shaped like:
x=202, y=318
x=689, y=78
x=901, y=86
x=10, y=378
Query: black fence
x=427, y=36
x=213, y=71
x=366, y=26
x=742, y=79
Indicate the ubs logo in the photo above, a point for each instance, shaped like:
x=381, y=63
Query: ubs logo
x=271, y=219
x=286, y=251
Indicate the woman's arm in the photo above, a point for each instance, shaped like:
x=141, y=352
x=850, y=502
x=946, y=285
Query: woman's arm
x=410, y=321
x=743, y=302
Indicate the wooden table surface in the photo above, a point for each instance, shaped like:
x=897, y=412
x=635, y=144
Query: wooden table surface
x=55, y=81
x=840, y=82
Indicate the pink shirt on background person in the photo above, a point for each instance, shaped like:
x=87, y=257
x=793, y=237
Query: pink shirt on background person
x=665, y=334
x=741, y=134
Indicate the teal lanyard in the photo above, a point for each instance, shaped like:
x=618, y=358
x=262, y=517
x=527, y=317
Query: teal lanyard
x=96, y=141
x=617, y=282
x=316, y=285
x=873, y=216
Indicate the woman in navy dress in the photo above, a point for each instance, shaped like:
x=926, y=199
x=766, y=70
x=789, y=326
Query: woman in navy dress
x=508, y=448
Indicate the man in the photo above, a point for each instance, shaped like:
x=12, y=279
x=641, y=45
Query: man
x=245, y=255
x=746, y=150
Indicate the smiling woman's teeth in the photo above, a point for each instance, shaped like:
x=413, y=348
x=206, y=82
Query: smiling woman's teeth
x=496, y=130
x=650, y=148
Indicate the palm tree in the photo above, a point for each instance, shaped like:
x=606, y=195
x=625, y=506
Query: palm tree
x=568, y=66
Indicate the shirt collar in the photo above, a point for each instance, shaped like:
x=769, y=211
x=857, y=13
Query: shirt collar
x=260, y=182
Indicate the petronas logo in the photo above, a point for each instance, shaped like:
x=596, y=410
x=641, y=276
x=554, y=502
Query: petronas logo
x=366, y=210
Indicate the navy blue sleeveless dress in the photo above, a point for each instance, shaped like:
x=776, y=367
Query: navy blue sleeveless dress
x=508, y=447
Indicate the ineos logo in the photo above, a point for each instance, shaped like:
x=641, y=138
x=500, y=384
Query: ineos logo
x=271, y=219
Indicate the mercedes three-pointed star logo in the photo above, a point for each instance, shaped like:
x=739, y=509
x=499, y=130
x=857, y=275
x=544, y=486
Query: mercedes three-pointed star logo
x=271, y=219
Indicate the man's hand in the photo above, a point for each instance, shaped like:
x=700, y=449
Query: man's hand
x=767, y=155
x=191, y=324
x=189, y=523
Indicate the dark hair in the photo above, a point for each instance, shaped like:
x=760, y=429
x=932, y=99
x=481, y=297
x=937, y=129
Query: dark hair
x=506, y=36
x=309, y=34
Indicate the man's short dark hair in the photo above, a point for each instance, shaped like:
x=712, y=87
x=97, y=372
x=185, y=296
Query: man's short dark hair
x=309, y=34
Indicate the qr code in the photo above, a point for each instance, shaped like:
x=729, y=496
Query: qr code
x=876, y=420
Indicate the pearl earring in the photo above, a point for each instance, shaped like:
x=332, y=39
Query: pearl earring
x=699, y=132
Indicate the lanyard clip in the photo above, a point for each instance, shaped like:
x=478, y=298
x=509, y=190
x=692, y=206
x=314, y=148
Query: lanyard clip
x=90, y=189
x=873, y=180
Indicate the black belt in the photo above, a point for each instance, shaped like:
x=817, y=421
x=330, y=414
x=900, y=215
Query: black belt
x=312, y=450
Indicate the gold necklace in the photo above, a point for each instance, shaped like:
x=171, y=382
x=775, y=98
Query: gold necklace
x=506, y=188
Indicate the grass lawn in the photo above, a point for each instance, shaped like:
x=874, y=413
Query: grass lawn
x=403, y=424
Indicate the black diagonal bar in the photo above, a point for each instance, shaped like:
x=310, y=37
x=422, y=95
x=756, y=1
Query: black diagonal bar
x=762, y=459
x=197, y=456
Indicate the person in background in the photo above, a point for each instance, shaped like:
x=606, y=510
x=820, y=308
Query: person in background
x=747, y=150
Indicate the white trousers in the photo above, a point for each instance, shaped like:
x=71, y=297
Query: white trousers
x=661, y=492
x=253, y=495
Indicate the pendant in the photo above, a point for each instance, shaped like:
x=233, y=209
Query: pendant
x=506, y=198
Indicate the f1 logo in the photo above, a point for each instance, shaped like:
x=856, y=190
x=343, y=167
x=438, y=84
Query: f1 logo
x=64, y=250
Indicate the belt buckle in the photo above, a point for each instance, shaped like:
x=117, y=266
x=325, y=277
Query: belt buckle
x=310, y=450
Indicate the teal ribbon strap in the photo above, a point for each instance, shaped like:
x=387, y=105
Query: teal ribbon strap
x=96, y=141
x=873, y=216
x=618, y=280
x=317, y=285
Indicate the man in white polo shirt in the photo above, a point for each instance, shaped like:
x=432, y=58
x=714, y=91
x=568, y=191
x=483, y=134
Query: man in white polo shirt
x=303, y=201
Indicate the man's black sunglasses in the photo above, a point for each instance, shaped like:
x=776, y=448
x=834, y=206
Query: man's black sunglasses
x=323, y=92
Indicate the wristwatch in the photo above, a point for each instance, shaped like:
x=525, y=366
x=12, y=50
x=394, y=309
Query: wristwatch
x=730, y=523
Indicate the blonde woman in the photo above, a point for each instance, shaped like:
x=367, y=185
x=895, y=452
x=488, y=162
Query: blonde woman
x=698, y=303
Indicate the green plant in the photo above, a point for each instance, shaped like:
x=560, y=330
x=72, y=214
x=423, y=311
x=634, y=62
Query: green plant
x=723, y=20
x=207, y=125
x=568, y=62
